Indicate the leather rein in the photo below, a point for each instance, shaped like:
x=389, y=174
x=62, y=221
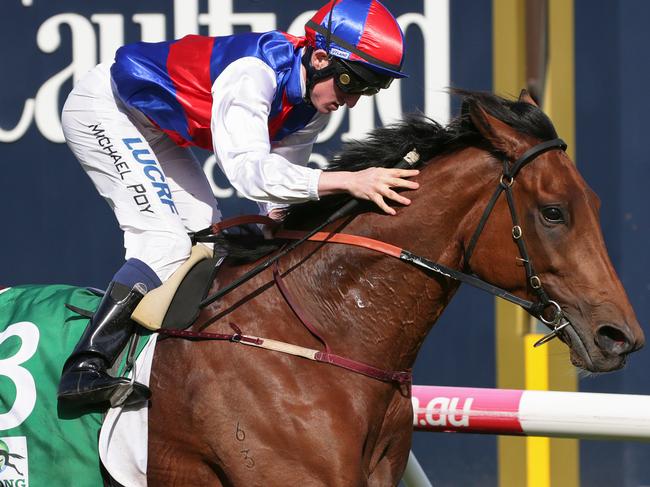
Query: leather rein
x=536, y=308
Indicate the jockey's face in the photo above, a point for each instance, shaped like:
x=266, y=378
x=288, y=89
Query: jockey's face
x=326, y=96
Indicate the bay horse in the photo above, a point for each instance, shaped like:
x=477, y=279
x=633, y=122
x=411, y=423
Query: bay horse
x=223, y=414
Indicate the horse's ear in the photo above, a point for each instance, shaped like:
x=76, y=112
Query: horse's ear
x=525, y=97
x=465, y=107
x=502, y=137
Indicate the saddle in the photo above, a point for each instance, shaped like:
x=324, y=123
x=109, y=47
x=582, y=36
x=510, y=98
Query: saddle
x=184, y=307
x=176, y=304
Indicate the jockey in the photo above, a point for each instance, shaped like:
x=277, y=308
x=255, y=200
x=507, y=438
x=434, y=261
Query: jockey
x=258, y=101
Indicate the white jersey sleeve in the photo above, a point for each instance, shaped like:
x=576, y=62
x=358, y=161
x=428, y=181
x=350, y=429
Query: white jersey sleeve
x=242, y=97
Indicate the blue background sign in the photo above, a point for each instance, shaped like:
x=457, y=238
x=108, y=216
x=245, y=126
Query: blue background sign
x=58, y=230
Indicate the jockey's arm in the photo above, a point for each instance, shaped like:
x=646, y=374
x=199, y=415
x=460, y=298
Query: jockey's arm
x=242, y=97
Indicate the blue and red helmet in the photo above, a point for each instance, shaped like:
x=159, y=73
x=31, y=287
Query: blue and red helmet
x=363, y=31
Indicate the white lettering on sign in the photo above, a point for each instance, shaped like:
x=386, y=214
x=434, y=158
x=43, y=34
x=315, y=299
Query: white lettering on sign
x=48, y=37
x=443, y=411
x=103, y=33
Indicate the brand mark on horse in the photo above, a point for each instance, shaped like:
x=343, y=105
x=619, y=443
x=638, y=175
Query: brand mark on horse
x=240, y=435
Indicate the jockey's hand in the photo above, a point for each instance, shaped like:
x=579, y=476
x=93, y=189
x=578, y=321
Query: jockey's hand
x=373, y=184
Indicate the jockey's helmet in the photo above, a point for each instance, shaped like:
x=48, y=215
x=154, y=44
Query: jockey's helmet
x=364, y=41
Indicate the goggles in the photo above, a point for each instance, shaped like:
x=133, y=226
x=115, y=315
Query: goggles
x=355, y=79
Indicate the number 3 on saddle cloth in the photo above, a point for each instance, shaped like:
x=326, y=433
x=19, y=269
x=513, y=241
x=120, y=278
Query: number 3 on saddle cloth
x=45, y=442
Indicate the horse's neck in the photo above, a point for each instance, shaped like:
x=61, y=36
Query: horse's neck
x=379, y=309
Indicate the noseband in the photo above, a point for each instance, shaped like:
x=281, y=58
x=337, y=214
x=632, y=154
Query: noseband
x=510, y=172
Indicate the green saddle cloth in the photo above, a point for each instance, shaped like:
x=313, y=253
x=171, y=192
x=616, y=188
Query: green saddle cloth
x=42, y=442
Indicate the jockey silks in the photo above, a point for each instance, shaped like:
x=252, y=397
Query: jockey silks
x=130, y=130
x=171, y=82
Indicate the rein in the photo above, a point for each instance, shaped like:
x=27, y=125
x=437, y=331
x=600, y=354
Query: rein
x=409, y=257
x=558, y=322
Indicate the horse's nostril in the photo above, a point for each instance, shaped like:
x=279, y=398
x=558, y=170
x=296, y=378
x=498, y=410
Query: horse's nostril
x=613, y=340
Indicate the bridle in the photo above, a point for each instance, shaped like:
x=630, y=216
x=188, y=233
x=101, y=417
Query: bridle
x=507, y=179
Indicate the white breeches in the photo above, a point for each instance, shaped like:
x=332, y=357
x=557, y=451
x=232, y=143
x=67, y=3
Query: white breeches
x=157, y=189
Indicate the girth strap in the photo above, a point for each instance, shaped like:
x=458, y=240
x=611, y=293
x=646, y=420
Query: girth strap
x=401, y=377
x=302, y=315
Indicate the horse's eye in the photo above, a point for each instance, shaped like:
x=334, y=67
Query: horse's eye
x=553, y=214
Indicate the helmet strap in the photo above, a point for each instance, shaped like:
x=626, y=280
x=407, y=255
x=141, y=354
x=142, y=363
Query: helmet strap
x=313, y=75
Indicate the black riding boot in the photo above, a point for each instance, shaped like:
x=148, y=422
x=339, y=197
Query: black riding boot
x=85, y=380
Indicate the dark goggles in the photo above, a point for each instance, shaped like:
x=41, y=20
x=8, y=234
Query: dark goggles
x=355, y=79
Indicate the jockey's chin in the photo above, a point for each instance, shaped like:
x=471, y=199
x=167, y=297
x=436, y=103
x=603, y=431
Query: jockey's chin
x=327, y=97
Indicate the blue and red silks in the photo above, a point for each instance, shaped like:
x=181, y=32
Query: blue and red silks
x=171, y=82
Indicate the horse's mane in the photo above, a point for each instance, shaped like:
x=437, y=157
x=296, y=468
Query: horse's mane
x=385, y=146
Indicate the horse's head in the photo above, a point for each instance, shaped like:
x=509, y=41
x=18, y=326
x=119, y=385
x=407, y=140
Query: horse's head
x=560, y=228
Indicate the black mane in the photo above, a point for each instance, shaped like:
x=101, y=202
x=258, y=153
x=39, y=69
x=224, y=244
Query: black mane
x=385, y=146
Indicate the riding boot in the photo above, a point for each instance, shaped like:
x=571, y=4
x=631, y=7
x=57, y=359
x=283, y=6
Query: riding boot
x=85, y=380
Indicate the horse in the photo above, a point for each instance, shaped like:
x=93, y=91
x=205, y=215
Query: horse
x=223, y=414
